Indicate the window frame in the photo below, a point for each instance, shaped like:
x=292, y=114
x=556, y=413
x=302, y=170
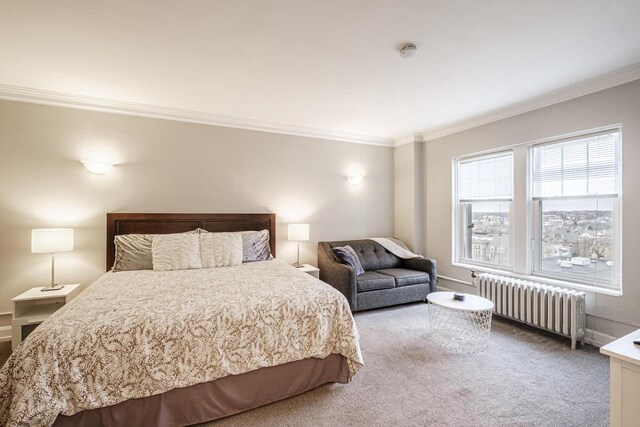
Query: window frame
x=462, y=210
x=523, y=216
x=534, y=256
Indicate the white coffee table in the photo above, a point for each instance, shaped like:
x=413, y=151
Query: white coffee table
x=460, y=326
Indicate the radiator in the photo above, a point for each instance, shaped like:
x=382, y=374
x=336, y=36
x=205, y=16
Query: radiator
x=548, y=307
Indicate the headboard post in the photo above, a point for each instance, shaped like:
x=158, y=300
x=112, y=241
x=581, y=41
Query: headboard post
x=164, y=223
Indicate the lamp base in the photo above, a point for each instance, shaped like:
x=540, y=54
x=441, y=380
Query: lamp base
x=297, y=265
x=52, y=288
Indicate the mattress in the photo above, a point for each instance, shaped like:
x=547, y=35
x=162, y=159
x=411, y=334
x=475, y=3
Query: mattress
x=137, y=334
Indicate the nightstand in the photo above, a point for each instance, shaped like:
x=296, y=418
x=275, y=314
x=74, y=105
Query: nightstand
x=310, y=270
x=34, y=306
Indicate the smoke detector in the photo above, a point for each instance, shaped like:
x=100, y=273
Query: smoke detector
x=408, y=50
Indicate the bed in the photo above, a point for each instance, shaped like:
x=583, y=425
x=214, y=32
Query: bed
x=181, y=347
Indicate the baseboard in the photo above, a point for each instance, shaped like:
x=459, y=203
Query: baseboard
x=5, y=333
x=597, y=339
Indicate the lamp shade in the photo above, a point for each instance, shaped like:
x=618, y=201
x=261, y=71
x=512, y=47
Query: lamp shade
x=51, y=240
x=298, y=232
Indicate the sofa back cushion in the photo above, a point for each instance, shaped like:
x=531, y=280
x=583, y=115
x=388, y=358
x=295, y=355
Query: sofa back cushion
x=372, y=255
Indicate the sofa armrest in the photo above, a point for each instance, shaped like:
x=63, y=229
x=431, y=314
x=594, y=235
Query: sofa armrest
x=340, y=276
x=428, y=265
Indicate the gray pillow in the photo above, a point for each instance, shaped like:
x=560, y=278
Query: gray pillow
x=133, y=251
x=348, y=256
x=255, y=246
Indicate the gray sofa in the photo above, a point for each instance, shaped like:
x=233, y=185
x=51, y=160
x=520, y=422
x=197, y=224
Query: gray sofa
x=387, y=280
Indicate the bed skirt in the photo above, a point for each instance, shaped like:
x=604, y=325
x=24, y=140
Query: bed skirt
x=216, y=399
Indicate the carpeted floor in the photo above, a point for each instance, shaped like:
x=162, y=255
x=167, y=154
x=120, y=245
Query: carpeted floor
x=525, y=378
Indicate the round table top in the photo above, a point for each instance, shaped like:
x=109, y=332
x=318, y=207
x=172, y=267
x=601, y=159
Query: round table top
x=470, y=303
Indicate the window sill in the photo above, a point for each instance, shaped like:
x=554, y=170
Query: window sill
x=543, y=280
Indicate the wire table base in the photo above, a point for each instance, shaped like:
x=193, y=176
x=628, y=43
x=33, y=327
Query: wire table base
x=460, y=331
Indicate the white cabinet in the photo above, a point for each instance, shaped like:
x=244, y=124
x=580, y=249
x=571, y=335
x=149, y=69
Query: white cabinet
x=625, y=380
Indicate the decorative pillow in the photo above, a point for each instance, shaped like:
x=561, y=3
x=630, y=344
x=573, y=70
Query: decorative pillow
x=175, y=252
x=255, y=246
x=348, y=256
x=220, y=249
x=133, y=251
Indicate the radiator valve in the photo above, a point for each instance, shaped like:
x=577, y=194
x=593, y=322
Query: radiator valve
x=474, y=275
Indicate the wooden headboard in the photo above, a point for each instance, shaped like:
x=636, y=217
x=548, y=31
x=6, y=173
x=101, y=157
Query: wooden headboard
x=164, y=223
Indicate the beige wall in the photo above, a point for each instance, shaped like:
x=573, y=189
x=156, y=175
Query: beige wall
x=409, y=194
x=607, y=314
x=167, y=166
x=404, y=181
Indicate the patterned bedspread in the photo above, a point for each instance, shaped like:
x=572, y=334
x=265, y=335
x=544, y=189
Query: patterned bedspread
x=139, y=333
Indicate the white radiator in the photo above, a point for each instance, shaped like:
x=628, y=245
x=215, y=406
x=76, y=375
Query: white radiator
x=548, y=307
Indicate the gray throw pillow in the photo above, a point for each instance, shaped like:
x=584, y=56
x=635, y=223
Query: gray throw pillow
x=133, y=251
x=255, y=246
x=348, y=256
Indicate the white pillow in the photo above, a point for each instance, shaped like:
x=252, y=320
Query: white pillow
x=220, y=249
x=175, y=252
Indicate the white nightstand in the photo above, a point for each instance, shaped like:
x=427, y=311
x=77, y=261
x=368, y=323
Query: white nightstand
x=310, y=270
x=34, y=306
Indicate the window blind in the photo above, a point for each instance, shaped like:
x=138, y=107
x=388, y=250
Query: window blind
x=486, y=178
x=582, y=167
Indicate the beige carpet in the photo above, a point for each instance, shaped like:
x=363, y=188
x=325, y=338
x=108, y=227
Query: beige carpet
x=525, y=378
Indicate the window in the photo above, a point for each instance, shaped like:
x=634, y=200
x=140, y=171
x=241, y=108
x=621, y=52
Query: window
x=483, y=210
x=576, y=205
x=548, y=211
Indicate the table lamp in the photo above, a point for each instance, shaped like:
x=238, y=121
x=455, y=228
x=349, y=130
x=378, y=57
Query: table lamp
x=298, y=233
x=51, y=241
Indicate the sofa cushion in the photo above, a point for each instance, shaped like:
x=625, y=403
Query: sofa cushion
x=372, y=281
x=373, y=256
x=405, y=277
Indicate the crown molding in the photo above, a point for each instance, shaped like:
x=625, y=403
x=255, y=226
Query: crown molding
x=585, y=87
x=60, y=99
x=416, y=137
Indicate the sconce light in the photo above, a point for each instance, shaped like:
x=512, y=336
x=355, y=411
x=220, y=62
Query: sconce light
x=96, y=167
x=355, y=179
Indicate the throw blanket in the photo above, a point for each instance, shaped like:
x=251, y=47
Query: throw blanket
x=395, y=248
x=140, y=333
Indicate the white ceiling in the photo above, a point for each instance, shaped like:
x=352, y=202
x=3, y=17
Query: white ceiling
x=326, y=66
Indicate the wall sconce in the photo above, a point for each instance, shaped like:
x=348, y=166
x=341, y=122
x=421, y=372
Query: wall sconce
x=355, y=179
x=96, y=167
